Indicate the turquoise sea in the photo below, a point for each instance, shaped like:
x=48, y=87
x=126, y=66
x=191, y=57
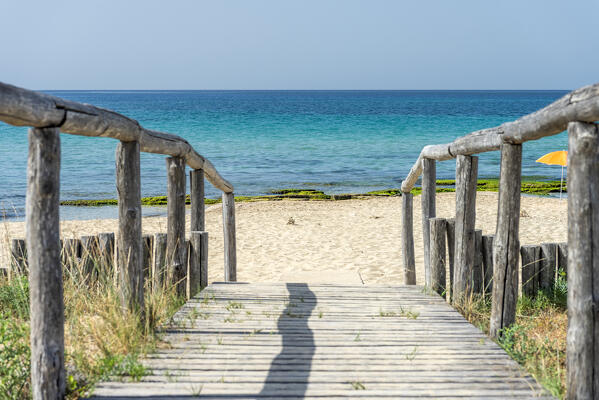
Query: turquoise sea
x=337, y=141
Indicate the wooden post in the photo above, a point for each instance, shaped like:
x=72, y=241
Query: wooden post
x=562, y=257
x=465, y=218
x=438, y=231
x=129, y=243
x=530, y=256
x=89, y=256
x=427, y=200
x=407, y=237
x=159, y=267
x=197, y=273
x=18, y=257
x=451, y=252
x=106, y=250
x=506, y=245
x=71, y=251
x=196, y=188
x=45, y=272
x=477, y=267
x=583, y=261
x=229, y=233
x=548, y=266
x=148, y=251
x=487, y=263
x=175, y=249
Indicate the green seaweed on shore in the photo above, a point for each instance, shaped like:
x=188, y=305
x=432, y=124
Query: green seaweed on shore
x=528, y=187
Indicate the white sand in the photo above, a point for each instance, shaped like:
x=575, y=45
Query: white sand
x=331, y=241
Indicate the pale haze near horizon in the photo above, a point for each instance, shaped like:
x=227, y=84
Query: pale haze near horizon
x=305, y=45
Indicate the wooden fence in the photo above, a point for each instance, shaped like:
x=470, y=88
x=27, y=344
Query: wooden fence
x=577, y=113
x=48, y=116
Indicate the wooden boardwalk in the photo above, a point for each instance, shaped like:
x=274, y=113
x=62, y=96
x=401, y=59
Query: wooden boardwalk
x=296, y=341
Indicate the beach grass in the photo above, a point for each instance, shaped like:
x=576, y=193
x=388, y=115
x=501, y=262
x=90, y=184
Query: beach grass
x=540, y=188
x=102, y=340
x=537, y=340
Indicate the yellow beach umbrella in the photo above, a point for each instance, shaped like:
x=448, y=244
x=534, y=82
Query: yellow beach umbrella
x=556, y=158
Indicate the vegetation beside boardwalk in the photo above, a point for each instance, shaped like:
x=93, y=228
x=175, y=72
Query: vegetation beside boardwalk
x=443, y=185
x=101, y=340
x=537, y=340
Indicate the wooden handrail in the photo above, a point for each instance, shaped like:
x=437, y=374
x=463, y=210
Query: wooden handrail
x=579, y=105
x=22, y=107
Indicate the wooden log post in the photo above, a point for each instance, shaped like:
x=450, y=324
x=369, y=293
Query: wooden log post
x=175, y=249
x=229, y=234
x=18, y=257
x=407, y=238
x=548, y=266
x=198, y=211
x=466, y=179
x=159, y=265
x=530, y=256
x=148, y=251
x=488, y=263
x=197, y=271
x=451, y=253
x=583, y=261
x=506, y=246
x=106, y=246
x=45, y=275
x=477, y=267
x=562, y=258
x=89, y=256
x=427, y=200
x=129, y=242
x=438, y=232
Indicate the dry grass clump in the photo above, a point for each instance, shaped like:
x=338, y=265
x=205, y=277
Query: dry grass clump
x=102, y=340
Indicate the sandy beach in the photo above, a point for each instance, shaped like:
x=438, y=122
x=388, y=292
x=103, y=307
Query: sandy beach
x=331, y=241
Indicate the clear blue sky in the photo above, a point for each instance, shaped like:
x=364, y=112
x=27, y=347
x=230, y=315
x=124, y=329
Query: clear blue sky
x=283, y=44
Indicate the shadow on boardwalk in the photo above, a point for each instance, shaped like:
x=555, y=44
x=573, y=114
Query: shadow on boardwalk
x=290, y=369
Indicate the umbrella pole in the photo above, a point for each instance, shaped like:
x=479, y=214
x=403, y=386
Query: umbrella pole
x=561, y=183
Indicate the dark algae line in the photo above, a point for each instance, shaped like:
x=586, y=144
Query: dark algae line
x=541, y=188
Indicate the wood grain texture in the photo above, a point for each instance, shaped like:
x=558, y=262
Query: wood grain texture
x=45, y=273
x=23, y=107
x=194, y=265
x=89, y=256
x=488, y=262
x=548, y=269
x=18, y=257
x=106, y=247
x=159, y=266
x=531, y=260
x=466, y=178
x=148, y=253
x=477, y=266
x=428, y=206
x=129, y=242
x=176, y=254
x=562, y=258
x=305, y=341
x=407, y=238
x=506, y=245
x=583, y=261
x=438, y=233
x=451, y=252
x=230, y=246
x=198, y=209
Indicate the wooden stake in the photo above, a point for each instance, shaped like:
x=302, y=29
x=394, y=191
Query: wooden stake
x=506, y=245
x=438, y=231
x=548, y=266
x=488, y=263
x=175, y=249
x=531, y=256
x=45, y=275
x=197, y=274
x=18, y=257
x=451, y=253
x=196, y=188
x=427, y=199
x=583, y=261
x=159, y=267
x=407, y=238
x=229, y=234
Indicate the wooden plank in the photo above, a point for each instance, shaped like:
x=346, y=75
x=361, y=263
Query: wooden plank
x=197, y=274
x=506, y=245
x=451, y=253
x=198, y=209
x=45, y=273
x=530, y=256
x=427, y=201
x=562, y=258
x=129, y=242
x=583, y=261
x=148, y=253
x=229, y=237
x=548, y=269
x=89, y=256
x=106, y=248
x=159, y=265
x=438, y=231
x=18, y=257
x=176, y=256
x=487, y=250
x=466, y=178
x=407, y=238
x=477, y=266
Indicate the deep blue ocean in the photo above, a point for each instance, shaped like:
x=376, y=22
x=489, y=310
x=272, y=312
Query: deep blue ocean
x=337, y=141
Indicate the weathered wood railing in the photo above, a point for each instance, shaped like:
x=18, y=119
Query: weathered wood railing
x=576, y=112
x=48, y=116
